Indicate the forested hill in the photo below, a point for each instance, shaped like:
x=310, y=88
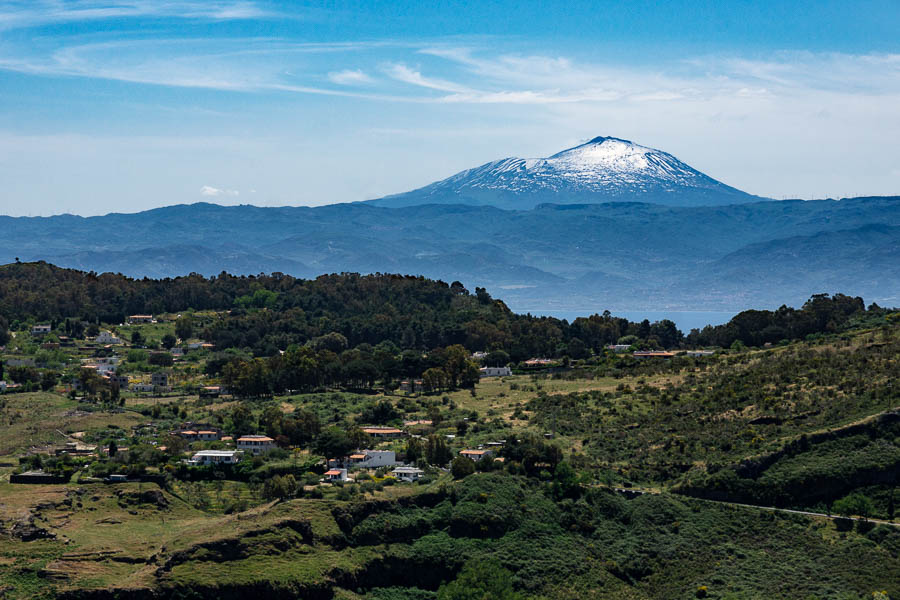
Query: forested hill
x=620, y=255
x=267, y=313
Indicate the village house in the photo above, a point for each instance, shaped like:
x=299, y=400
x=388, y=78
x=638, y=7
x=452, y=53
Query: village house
x=619, y=348
x=412, y=386
x=119, y=380
x=384, y=432
x=255, y=444
x=539, y=362
x=40, y=330
x=142, y=387
x=135, y=319
x=700, y=353
x=372, y=459
x=494, y=372
x=332, y=475
x=652, y=354
x=407, y=474
x=210, y=391
x=476, y=455
x=160, y=380
x=216, y=457
x=107, y=337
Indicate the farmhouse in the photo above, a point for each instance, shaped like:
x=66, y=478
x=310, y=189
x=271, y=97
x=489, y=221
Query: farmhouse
x=652, y=354
x=255, y=444
x=134, y=319
x=476, y=455
x=40, y=330
x=106, y=337
x=383, y=432
x=371, y=459
x=407, y=473
x=336, y=475
x=494, y=371
x=216, y=457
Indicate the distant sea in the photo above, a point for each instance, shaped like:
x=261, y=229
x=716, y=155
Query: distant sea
x=685, y=320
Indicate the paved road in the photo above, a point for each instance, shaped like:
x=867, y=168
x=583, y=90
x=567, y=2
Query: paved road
x=757, y=507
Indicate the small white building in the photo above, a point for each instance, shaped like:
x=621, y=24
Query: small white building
x=3, y=385
x=495, y=371
x=40, y=330
x=106, y=337
x=700, y=353
x=216, y=457
x=407, y=473
x=335, y=475
x=142, y=387
x=255, y=444
x=619, y=348
x=372, y=459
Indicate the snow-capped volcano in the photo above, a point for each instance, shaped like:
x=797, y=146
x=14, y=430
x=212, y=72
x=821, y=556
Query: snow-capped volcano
x=605, y=169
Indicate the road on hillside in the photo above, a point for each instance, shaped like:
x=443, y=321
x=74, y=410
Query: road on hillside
x=639, y=492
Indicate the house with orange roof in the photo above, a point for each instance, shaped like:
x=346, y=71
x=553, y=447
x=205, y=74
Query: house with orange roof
x=255, y=444
x=476, y=455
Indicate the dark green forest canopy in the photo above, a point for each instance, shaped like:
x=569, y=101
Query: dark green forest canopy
x=271, y=312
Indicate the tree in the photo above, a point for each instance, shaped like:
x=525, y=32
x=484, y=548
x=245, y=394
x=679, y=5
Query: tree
x=168, y=341
x=280, y=487
x=113, y=449
x=334, y=443
x=854, y=504
x=48, y=380
x=436, y=451
x=414, y=450
x=481, y=580
x=434, y=379
x=379, y=413
x=461, y=467
x=184, y=327
x=136, y=338
x=161, y=359
x=241, y=419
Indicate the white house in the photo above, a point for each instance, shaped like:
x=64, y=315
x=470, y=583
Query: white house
x=216, y=457
x=106, y=337
x=619, y=348
x=255, y=444
x=700, y=353
x=335, y=475
x=40, y=330
x=495, y=371
x=407, y=473
x=372, y=459
x=142, y=387
x=2, y=386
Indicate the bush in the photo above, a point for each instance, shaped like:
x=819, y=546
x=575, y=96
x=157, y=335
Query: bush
x=461, y=467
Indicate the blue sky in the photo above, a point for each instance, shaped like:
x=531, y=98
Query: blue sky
x=122, y=106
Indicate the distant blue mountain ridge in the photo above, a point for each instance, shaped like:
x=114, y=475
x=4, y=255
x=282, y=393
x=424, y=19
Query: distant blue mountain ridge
x=608, y=224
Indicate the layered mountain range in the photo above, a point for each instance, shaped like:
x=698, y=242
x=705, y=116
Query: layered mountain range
x=656, y=234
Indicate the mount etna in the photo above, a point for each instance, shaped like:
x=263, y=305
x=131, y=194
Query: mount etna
x=608, y=224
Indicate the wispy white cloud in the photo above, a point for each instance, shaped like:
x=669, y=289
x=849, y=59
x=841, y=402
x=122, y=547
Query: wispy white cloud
x=349, y=77
x=208, y=190
x=405, y=74
x=33, y=13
